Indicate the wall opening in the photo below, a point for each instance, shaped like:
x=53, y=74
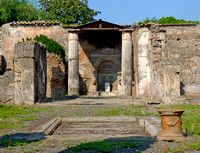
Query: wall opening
x=107, y=72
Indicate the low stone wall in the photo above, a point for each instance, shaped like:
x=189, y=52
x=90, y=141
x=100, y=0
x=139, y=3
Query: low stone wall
x=7, y=87
x=55, y=77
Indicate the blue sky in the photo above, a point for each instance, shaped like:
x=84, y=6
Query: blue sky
x=130, y=11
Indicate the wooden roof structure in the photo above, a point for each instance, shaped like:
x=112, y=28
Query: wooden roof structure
x=98, y=25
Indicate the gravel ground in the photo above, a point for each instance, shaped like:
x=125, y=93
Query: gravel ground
x=86, y=107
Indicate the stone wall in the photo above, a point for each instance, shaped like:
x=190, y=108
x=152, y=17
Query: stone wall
x=172, y=54
x=30, y=73
x=55, y=77
x=183, y=42
x=166, y=59
x=7, y=87
x=14, y=34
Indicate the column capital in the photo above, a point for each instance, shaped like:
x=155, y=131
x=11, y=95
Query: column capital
x=73, y=35
x=126, y=35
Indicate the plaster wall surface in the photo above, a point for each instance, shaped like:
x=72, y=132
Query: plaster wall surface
x=143, y=65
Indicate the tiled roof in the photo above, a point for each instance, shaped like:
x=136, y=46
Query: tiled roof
x=36, y=23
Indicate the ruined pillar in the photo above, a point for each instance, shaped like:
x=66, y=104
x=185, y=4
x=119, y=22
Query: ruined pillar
x=126, y=63
x=73, y=64
x=30, y=72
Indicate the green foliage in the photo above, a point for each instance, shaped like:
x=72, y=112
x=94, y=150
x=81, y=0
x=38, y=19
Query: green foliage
x=194, y=145
x=13, y=116
x=172, y=20
x=17, y=10
x=104, y=146
x=148, y=20
x=67, y=11
x=136, y=111
x=51, y=45
x=166, y=20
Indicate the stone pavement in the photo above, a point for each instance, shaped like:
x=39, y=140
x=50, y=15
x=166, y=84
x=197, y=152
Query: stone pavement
x=97, y=127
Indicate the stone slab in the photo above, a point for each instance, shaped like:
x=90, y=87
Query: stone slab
x=111, y=119
x=152, y=125
x=39, y=132
x=48, y=127
x=93, y=131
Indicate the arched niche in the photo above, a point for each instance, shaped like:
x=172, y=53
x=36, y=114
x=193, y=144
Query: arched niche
x=107, y=72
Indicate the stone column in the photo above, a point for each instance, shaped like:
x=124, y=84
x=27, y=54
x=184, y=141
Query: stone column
x=73, y=64
x=126, y=63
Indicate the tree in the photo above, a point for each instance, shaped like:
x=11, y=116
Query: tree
x=67, y=11
x=166, y=20
x=147, y=20
x=17, y=10
x=173, y=20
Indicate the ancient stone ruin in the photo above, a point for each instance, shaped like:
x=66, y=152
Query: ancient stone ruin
x=155, y=62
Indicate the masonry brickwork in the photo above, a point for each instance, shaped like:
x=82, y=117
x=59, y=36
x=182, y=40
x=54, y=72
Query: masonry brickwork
x=163, y=59
x=167, y=64
x=30, y=69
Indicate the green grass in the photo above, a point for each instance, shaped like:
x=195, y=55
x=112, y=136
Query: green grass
x=181, y=147
x=135, y=111
x=13, y=143
x=13, y=117
x=104, y=146
x=190, y=118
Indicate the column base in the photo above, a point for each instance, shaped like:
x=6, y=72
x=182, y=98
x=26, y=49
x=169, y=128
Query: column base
x=73, y=91
x=171, y=138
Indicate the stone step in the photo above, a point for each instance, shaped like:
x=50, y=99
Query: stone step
x=97, y=131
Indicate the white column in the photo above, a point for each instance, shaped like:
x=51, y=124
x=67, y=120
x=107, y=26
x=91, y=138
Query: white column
x=126, y=63
x=73, y=64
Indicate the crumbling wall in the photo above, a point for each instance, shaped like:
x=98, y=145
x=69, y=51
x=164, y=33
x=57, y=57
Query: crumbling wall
x=13, y=34
x=1, y=43
x=7, y=87
x=157, y=64
x=30, y=72
x=174, y=67
x=183, y=42
x=55, y=77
